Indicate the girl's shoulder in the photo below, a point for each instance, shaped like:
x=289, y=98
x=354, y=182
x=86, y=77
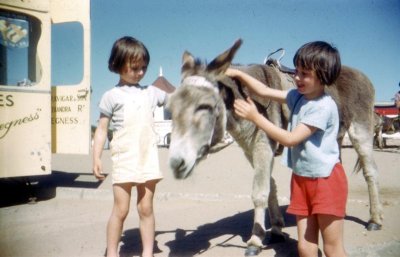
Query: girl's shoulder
x=324, y=103
x=112, y=90
x=292, y=97
x=156, y=91
x=114, y=93
x=327, y=99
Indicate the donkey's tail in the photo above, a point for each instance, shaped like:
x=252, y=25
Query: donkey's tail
x=357, y=166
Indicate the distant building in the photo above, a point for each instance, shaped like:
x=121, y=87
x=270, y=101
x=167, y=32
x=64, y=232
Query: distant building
x=162, y=83
x=162, y=117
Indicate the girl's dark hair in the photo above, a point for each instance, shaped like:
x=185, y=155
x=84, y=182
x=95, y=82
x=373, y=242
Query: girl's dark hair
x=321, y=57
x=127, y=50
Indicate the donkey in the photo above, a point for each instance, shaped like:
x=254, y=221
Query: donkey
x=202, y=110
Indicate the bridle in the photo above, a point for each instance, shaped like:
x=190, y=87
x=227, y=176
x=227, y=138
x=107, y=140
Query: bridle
x=200, y=81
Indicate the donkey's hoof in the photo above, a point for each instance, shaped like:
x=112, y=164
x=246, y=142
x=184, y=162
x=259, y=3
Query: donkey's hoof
x=252, y=250
x=373, y=226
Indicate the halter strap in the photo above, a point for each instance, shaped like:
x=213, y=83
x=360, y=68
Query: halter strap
x=199, y=81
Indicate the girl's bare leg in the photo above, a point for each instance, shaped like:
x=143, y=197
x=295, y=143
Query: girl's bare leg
x=147, y=221
x=307, y=229
x=332, y=234
x=122, y=196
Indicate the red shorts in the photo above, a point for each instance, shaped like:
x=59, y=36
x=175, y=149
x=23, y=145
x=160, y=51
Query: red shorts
x=326, y=195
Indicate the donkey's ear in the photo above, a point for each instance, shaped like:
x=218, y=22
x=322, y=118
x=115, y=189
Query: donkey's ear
x=188, y=62
x=223, y=61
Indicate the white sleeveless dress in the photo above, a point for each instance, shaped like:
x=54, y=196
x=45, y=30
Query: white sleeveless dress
x=134, y=146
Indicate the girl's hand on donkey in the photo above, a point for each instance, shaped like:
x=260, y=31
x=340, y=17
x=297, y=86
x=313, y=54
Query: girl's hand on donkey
x=231, y=72
x=246, y=109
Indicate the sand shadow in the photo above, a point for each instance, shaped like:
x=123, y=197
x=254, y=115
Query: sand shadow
x=388, y=149
x=32, y=189
x=188, y=243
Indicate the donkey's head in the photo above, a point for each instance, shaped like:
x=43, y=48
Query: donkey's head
x=198, y=111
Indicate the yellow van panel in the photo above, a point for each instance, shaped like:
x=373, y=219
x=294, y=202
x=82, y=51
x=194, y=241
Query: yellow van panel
x=34, y=5
x=70, y=119
x=25, y=138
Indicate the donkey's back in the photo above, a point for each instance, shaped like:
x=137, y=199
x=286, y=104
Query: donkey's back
x=354, y=94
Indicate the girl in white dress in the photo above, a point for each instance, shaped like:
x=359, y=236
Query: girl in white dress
x=319, y=185
x=129, y=108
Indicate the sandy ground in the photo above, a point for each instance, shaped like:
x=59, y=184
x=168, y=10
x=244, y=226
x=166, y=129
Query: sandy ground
x=209, y=214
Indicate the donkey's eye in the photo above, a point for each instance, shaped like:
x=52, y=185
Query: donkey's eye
x=204, y=107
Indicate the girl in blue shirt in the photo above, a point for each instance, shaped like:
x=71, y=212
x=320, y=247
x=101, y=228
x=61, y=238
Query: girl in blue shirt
x=318, y=184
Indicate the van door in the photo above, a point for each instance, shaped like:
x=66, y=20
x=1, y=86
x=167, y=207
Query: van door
x=37, y=119
x=70, y=105
x=25, y=109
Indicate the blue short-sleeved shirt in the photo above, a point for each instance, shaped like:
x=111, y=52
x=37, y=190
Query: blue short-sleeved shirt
x=317, y=155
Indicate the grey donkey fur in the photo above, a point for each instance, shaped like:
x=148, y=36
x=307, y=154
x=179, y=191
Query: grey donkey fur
x=202, y=110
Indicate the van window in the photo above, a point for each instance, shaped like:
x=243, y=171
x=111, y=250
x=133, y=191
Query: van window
x=18, y=49
x=66, y=53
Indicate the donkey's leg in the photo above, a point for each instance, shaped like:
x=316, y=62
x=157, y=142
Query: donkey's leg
x=260, y=201
x=264, y=193
x=275, y=215
x=362, y=140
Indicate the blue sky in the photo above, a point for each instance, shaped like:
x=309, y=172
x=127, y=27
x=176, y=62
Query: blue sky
x=366, y=32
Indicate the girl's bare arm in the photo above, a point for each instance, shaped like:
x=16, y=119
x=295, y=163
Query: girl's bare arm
x=248, y=110
x=98, y=144
x=257, y=86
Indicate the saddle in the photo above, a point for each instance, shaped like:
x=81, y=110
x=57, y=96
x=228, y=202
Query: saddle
x=289, y=72
x=276, y=63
